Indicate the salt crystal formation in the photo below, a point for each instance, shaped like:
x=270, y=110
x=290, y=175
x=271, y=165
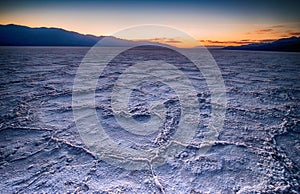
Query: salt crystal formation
x=257, y=151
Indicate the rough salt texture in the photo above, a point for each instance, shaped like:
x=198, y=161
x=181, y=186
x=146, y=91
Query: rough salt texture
x=258, y=150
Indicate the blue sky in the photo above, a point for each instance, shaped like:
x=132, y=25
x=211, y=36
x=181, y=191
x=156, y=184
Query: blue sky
x=211, y=22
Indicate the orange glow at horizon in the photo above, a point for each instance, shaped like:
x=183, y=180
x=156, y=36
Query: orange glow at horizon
x=209, y=29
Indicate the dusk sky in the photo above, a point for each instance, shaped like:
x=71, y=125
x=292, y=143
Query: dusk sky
x=212, y=23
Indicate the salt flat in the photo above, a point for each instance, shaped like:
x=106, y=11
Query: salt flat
x=257, y=151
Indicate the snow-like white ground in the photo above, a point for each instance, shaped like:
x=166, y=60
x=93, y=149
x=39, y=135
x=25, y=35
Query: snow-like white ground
x=257, y=151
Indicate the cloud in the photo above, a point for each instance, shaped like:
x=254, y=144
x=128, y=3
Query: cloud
x=246, y=41
x=267, y=40
x=174, y=41
x=278, y=26
x=166, y=40
x=263, y=31
x=239, y=42
x=294, y=33
x=269, y=30
x=289, y=33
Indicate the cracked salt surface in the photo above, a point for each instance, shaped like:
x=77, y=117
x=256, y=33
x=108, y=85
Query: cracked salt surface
x=258, y=150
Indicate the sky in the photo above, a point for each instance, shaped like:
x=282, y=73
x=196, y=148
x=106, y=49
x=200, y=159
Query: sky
x=211, y=23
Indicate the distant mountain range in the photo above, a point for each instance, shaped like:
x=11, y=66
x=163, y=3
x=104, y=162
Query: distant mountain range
x=16, y=35
x=285, y=44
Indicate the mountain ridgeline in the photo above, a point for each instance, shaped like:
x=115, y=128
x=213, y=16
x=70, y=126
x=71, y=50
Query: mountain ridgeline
x=285, y=44
x=16, y=35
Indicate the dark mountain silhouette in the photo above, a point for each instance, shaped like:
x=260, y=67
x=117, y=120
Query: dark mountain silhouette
x=16, y=35
x=291, y=44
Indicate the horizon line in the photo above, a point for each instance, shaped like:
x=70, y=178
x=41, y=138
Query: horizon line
x=213, y=43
